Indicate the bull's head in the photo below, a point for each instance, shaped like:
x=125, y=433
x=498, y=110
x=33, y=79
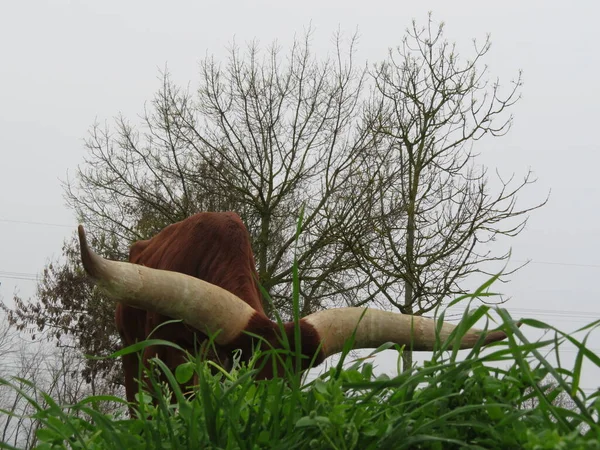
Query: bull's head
x=212, y=309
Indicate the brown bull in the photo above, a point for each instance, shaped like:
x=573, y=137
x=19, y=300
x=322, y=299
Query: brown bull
x=213, y=247
x=201, y=270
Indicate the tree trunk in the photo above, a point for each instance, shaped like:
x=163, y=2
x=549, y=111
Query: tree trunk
x=408, y=278
x=409, y=270
x=263, y=245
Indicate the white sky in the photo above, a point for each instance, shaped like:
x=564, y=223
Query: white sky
x=66, y=64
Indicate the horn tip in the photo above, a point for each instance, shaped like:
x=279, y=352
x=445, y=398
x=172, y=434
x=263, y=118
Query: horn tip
x=81, y=233
x=87, y=255
x=498, y=335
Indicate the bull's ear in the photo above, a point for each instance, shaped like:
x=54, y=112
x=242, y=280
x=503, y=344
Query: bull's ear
x=136, y=249
x=201, y=305
x=373, y=327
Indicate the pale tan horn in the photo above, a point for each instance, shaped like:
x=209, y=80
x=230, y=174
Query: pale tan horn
x=377, y=327
x=202, y=305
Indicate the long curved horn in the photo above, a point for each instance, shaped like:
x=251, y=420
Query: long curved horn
x=377, y=327
x=202, y=305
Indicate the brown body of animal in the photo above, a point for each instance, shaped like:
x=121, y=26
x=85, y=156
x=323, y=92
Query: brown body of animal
x=213, y=247
x=201, y=270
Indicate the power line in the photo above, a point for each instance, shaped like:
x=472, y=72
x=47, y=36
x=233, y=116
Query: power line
x=554, y=263
x=20, y=278
x=26, y=276
x=551, y=312
x=46, y=224
x=5, y=272
x=18, y=274
x=561, y=312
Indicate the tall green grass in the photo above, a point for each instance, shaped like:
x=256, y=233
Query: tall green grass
x=497, y=398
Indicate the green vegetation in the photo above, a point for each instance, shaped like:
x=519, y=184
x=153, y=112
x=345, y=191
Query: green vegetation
x=447, y=403
x=506, y=396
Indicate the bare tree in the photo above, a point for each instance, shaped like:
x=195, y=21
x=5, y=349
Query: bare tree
x=64, y=380
x=431, y=209
x=265, y=134
x=550, y=388
x=24, y=363
x=396, y=211
x=8, y=356
x=34, y=368
x=69, y=311
x=7, y=344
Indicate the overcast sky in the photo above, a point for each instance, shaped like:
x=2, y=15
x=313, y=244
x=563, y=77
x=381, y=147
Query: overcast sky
x=66, y=64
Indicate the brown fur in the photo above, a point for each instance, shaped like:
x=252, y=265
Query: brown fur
x=260, y=325
x=214, y=247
